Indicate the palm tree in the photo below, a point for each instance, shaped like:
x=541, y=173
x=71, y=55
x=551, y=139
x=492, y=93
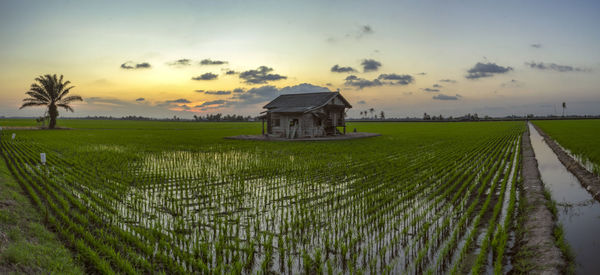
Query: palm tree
x=52, y=92
x=564, y=105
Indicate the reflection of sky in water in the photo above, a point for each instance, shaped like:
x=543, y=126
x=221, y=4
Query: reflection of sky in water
x=577, y=210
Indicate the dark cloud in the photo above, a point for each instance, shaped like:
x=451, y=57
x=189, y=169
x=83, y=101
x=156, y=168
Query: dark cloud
x=260, y=95
x=206, y=76
x=430, y=90
x=397, y=79
x=513, y=83
x=448, y=80
x=361, y=102
x=230, y=72
x=107, y=101
x=422, y=73
x=364, y=30
x=180, y=100
x=361, y=83
x=181, y=62
x=260, y=76
x=537, y=46
x=382, y=79
x=140, y=99
x=446, y=97
x=303, y=88
x=337, y=69
x=437, y=86
x=370, y=65
x=132, y=66
x=212, y=62
x=554, y=67
x=481, y=70
x=217, y=92
x=213, y=102
x=238, y=90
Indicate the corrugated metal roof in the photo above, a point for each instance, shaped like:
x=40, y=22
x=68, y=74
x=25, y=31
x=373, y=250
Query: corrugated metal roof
x=292, y=103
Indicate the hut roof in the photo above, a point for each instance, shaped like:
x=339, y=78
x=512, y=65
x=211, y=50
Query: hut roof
x=300, y=103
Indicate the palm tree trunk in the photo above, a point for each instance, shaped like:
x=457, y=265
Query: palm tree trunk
x=53, y=113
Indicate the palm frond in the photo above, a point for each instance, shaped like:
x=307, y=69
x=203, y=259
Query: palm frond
x=37, y=96
x=27, y=104
x=64, y=92
x=67, y=107
x=71, y=98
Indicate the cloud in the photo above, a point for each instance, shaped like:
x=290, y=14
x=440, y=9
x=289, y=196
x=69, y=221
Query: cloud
x=180, y=100
x=448, y=80
x=180, y=62
x=358, y=33
x=364, y=30
x=212, y=62
x=303, y=88
x=230, y=72
x=554, y=67
x=361, y=83
x=486, y=70
x=106, y=101
x=382, y=79
x=437, y=86
x=213, y=102
x=396, y=79
x=140, y=99
x=132, y=66
x=407, y=93
x=337, y=69
x=430, y=90
x=217, y=92
x=537, y=45
x=370, y=65
x=260, y=76
x=446, y=97
x=513, y=83
x=238, y=90
x=422, y=73
x=260, y=95
x=206, y=76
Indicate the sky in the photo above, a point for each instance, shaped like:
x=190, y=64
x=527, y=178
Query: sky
x=185, y=58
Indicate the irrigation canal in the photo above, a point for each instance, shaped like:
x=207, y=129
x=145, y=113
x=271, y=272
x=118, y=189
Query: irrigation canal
x=578, y=211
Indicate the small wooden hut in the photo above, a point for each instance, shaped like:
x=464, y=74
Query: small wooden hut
x=305, y=115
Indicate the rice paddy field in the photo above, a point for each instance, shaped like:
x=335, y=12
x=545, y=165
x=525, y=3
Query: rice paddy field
x=580, y=137
x=175, y=197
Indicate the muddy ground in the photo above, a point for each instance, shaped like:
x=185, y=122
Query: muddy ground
x=536, y=245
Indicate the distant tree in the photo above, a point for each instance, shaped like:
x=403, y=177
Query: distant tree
x=52, y=92
x=426, y=117
x=382, y=115
x=564, y=106
x=372, y=110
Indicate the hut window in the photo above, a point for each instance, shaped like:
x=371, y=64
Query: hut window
x=276, y=122
x=317, y=121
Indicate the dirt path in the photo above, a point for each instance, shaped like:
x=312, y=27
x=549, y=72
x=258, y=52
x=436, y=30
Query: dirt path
x=537, y=248
x=590, y=182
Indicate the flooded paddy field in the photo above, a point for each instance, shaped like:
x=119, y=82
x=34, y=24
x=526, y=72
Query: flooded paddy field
x=147, y=197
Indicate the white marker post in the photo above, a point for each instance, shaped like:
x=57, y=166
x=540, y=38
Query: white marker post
x=13, y=136
x=43, y=158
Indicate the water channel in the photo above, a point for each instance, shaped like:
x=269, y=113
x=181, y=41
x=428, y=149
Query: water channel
x=578, y=212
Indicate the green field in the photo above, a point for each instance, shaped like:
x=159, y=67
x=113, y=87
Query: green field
x=580, y=137
x=144, y=197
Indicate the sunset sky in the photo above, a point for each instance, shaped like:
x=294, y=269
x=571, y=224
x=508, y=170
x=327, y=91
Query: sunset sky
x=165, y=58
